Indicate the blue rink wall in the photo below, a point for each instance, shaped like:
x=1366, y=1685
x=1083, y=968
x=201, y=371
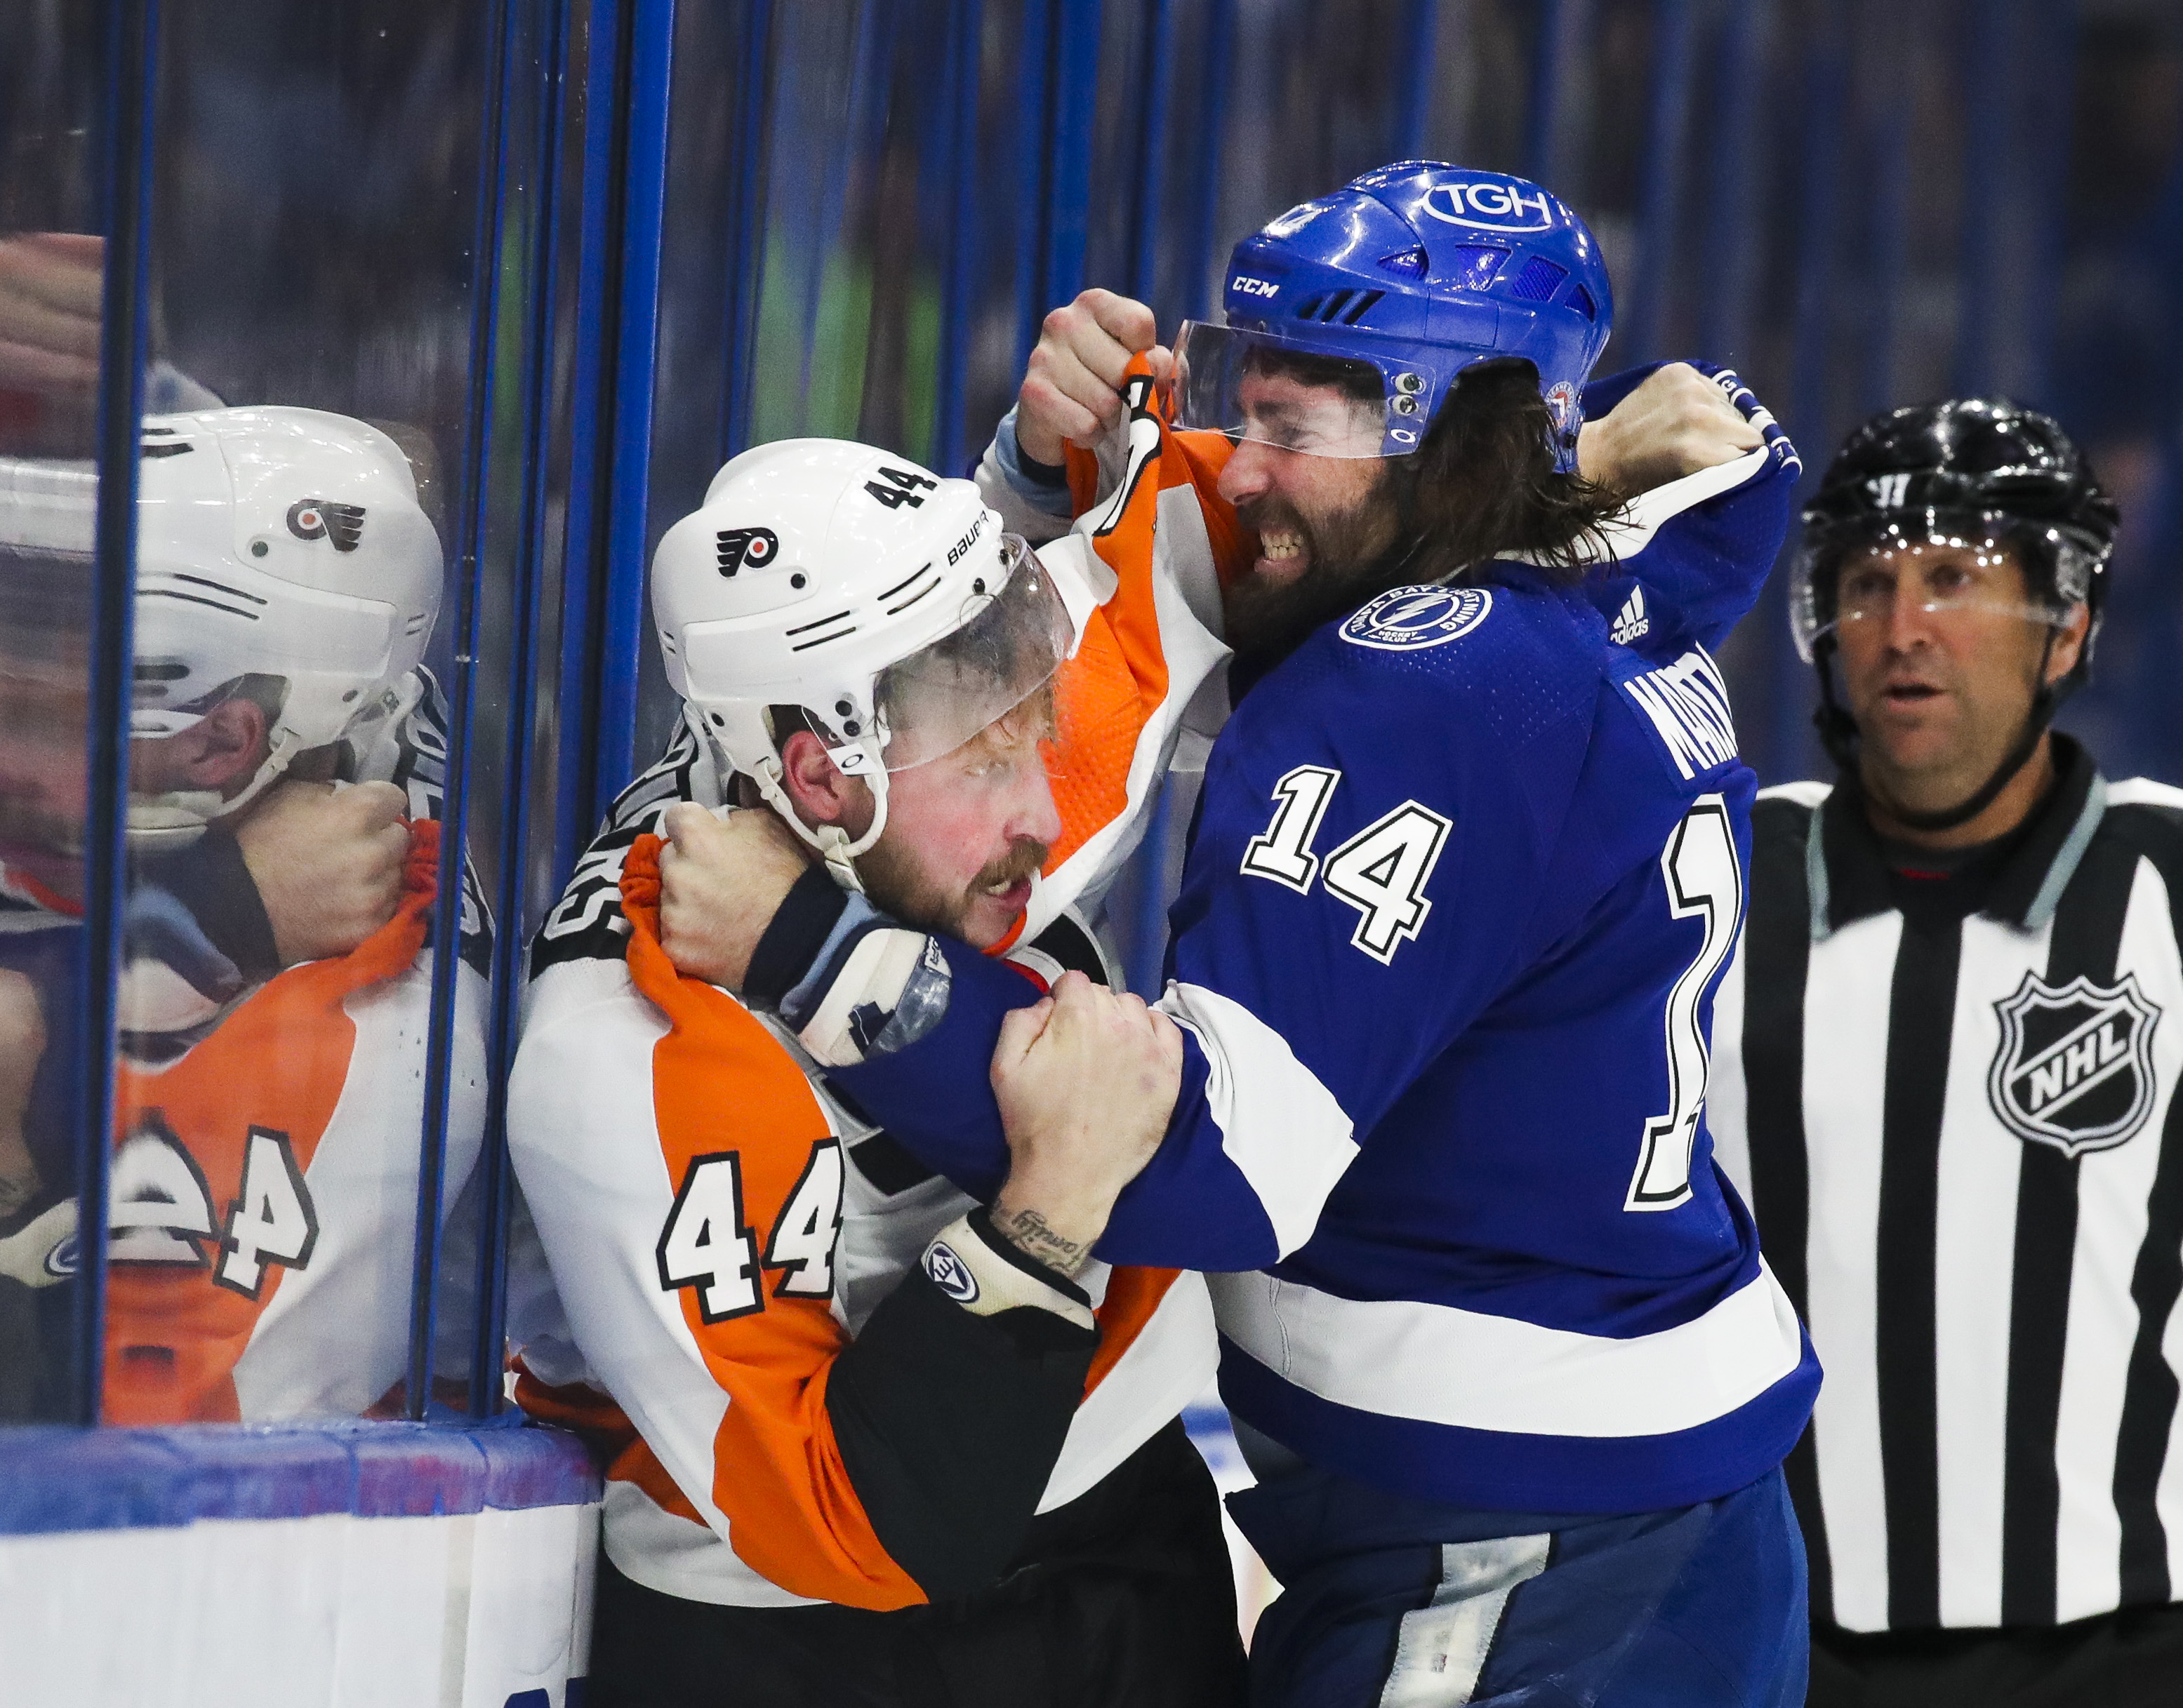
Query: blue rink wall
x=349, y=1565
x=577, y=253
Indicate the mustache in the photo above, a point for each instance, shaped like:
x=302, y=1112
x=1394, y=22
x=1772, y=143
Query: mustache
x=1024, y=856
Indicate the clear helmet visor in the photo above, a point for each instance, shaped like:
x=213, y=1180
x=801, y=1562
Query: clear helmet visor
x=1284, y=393
x=1942, y=567
x=1009, y=646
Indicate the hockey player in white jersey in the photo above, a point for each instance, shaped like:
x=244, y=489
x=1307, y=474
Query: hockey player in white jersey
x=839, y=1471
x=1466, y=868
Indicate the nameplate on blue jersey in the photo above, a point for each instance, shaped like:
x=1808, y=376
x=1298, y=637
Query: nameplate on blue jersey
x=1688, y=704
x=1404, y=619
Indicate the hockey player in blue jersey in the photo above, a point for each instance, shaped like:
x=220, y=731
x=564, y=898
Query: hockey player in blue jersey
x=1468, y=864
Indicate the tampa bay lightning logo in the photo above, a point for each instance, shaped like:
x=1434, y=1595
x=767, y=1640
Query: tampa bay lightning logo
x=747, y=548
x=950, y=1273
x=1404, y=619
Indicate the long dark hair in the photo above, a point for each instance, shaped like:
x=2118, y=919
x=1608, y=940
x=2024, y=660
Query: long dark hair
x=1483, y=485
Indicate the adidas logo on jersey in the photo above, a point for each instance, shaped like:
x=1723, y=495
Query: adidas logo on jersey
x=1631, y=622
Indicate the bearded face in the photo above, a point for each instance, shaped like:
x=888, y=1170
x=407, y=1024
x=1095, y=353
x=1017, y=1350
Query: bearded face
x=966, y=832
x=1324, y=525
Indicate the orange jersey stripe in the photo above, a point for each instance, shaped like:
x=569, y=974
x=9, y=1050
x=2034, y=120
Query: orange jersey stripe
x=278, y=1064
x=1133, y=1294
x=721, y=1082
x=603, y=1423
x=1106, y=695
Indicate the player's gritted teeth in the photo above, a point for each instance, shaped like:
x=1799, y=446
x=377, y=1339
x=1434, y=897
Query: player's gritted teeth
x=1285, y=541
x=1281, y=553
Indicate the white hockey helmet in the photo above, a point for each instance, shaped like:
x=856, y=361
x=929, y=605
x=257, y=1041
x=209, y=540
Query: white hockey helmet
x=884, y=603
x=270, y=541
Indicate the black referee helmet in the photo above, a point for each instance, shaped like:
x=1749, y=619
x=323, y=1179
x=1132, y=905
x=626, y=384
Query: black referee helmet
x=1966, y=471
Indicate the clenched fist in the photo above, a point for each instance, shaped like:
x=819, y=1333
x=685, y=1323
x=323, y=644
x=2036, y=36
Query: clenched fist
x=1675, y=423
x=719, y=886
x=22, y=1045
x=1086, y=1080
x=50, y=283
x=327, y=863
x=1072, y=384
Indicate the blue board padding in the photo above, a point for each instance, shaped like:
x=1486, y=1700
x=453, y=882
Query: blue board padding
x=54, y=1479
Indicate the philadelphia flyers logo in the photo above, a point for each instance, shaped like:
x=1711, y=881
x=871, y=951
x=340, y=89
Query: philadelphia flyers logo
x=747, y=547
x=316, y=519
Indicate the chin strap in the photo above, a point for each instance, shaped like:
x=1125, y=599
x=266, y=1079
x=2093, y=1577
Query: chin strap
x=166, y=823
x=830, y=840
x=1838, y=735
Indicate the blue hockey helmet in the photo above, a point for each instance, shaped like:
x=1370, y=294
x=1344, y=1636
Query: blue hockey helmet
x=1389, y=288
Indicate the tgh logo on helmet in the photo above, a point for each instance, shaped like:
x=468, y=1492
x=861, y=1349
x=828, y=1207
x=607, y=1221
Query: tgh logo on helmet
x=1491, y=206
x=319, y=519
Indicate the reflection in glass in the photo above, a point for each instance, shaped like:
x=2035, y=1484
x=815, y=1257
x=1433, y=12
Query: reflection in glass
x=285, y=755
x=45, y=558
x=314, y=172
x=50, y=274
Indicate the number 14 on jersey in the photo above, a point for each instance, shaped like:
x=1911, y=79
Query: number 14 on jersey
x=1381, y=871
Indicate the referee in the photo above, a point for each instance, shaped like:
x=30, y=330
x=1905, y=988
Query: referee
x=1945, y=1065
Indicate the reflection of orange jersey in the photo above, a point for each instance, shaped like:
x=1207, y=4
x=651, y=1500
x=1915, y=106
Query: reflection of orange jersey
x=264, y=1187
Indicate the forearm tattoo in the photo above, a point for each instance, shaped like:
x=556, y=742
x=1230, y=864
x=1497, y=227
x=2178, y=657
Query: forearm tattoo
x=1029, y=1232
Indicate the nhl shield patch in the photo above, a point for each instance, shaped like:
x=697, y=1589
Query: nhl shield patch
x=2074, y=1068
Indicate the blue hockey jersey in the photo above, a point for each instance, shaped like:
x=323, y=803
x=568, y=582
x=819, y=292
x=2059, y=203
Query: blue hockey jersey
x=1468, y=867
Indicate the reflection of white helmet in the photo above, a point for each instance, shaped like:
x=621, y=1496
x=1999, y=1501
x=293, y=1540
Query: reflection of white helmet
x=882, y=601
x=278, y=542
x=271, y=542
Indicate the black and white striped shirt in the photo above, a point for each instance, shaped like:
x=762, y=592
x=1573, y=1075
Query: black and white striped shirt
x=1960, y=1140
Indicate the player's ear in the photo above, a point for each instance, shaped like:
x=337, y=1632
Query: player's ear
x=223, y=749
x=2068, y=644
x=822, y=795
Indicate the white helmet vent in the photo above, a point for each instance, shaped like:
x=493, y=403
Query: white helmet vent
x=153, y=674
x=816, y=639
x=150, y=585
x=918, y=585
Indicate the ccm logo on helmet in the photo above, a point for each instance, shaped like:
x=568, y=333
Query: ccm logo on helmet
x=755, y=547
x=1243, y=285
x=315, y=519
x=1491, y=206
